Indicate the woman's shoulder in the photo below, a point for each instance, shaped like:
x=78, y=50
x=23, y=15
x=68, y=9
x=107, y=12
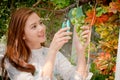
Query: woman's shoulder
x=2, y=51
x=2, y=48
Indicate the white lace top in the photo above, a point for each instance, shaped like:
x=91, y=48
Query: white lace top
x=62, y=67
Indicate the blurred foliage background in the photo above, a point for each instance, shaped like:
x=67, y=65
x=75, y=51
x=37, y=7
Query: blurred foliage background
x=53, y=13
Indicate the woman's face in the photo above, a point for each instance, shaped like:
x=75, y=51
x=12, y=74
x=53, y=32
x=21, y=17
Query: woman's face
x=34, y=31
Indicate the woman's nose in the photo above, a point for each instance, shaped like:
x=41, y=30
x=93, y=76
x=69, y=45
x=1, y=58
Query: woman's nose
x=40, y=28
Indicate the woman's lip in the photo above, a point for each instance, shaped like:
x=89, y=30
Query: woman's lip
x=41, y=35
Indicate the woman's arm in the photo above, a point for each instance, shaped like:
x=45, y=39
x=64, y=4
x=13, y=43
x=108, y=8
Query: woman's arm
x=68, y=71
x=60, y=38
x=80, y=49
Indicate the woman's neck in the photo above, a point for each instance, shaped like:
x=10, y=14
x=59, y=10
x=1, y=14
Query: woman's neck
x=37, y=46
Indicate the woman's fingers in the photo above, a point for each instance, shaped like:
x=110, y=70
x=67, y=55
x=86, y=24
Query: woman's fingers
x=85, y=32
x=65, y=34
x=62, y=33
x=64, y=38
x=85, y=27
x=85, y=36
x=63, y=30
x=60, y=38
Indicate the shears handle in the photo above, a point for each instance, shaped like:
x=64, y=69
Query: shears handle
x=66, y=24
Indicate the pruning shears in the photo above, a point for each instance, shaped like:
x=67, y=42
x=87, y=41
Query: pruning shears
x=66, y=23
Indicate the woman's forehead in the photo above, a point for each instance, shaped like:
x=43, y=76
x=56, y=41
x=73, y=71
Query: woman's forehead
x=33, y=18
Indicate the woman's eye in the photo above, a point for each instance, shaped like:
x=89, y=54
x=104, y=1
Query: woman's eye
x=41, y=22
x=34, y=26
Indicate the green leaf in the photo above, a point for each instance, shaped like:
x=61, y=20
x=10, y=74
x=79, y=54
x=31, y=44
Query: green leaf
x=79, y=12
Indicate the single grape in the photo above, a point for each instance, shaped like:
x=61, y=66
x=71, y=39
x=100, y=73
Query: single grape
x=73, y=21
x=74, y=12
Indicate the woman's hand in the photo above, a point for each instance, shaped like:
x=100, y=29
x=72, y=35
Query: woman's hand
x=60, y=38
x=80, y=50
x=85, y=35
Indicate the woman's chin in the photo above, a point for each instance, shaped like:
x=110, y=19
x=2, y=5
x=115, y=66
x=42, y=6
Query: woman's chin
x=42, y=40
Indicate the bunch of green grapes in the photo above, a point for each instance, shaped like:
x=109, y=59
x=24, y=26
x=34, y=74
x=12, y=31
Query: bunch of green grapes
x=78, y=22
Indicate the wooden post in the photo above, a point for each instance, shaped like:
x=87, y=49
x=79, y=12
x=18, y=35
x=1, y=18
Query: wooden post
x=117, y=74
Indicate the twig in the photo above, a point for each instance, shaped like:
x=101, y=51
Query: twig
x=60, y=11
x=67, y=8
x=37, y=3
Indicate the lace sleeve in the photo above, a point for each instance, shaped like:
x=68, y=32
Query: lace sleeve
x=63, y=66
x=77, y=76
x=2, y=49
x=15, y=74
x=66, y=70
x=2, y=52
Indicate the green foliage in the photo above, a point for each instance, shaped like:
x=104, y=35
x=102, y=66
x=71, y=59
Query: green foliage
x=52, y=26
x=100, y=11
x=4, y=17
x=24, y=3
x=58, y=4
x=61, y=3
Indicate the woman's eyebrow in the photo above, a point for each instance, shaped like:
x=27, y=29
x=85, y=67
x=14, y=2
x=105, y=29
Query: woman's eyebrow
x=32, y=24
x=36, y=22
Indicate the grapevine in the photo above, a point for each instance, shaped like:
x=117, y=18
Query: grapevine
x=78, y=22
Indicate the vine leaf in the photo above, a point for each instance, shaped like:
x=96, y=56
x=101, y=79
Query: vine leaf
x=89, y=17
x=97, y=20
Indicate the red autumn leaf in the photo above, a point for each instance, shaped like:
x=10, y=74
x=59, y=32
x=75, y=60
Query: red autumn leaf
x=107, y=55
x=109, y=14
x=91, y=17
x=103, y=18
x=102, y=54
x=114, y=68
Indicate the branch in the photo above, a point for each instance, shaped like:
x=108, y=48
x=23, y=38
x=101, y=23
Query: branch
x=37, y=3
x=66, y=9
x=60, y=11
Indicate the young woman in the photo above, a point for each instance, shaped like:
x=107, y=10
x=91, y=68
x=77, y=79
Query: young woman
x=27, y=59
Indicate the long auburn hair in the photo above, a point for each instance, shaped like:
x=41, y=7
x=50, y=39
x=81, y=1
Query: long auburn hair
x=17, y=52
